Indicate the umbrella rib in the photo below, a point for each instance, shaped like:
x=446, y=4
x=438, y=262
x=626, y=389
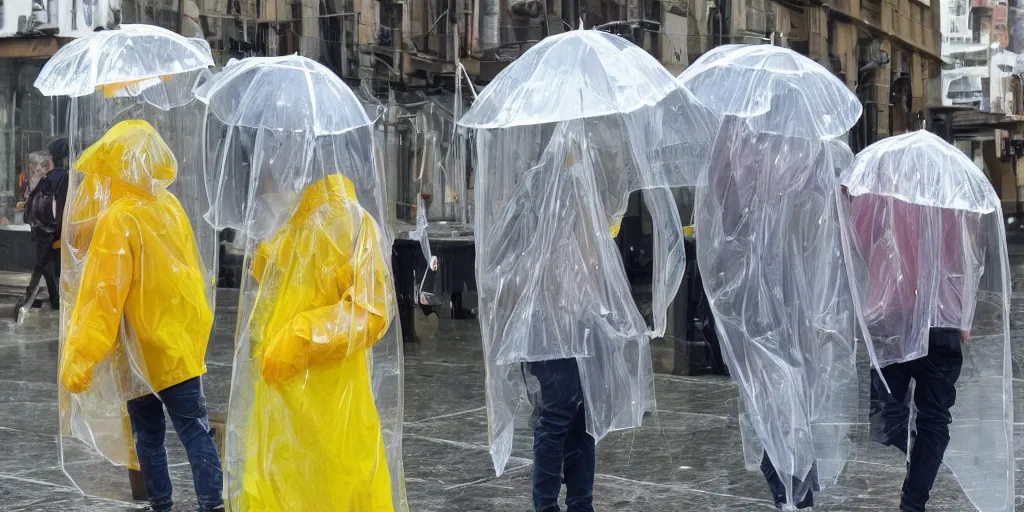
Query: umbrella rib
x=312, y=98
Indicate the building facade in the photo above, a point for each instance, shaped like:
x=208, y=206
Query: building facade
x=423, y=60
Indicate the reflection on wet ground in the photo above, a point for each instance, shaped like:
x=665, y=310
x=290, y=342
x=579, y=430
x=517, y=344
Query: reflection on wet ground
x=687, y=456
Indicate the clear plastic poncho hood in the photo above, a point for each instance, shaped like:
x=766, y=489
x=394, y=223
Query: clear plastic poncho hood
x=926, y=246
x=316, y=391
x=771, y=259
x=131, y=61
x=554, y=173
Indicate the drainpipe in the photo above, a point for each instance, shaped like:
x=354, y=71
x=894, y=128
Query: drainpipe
x=490, y=20
x=571, y=13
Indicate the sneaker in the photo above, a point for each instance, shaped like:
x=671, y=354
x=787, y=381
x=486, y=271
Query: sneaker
x=19, y=312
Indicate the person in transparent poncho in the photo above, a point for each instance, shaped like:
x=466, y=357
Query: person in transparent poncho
x=893, y=231
x=311, y=437
x=763, y=225
x=924, y=264
x=563, y=136
x=143, y=288
x=552, y=223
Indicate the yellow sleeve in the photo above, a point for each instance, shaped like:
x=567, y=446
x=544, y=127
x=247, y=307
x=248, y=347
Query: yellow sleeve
x=99, y=303
x=264, y=255
x=334, y=332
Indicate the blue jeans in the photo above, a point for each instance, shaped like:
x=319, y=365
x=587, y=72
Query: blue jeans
x=186, y=405
x=936, y=375
x=562, y=448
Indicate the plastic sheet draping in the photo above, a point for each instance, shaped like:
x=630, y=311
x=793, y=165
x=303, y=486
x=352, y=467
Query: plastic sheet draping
x=316, y=392
x=770, y=254
x=750, y=80
x=554, y=173
x=130, y=61
x=97, y=416
x=927, y=249
x=135, y=296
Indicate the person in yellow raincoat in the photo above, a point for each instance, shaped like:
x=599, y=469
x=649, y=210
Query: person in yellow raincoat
x=313, y=439
x=142, y=292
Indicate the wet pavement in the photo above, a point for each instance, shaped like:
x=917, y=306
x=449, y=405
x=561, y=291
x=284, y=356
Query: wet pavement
x=687, y=456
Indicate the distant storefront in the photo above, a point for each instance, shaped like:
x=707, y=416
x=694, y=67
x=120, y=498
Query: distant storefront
x=28, y=122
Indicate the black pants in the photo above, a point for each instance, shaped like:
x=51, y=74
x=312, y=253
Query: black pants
x=47, y=266
x=935, y=393
x=779, y=490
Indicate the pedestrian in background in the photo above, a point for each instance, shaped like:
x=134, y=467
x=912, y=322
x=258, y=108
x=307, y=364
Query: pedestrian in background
x=44, y=211
x=39, y=165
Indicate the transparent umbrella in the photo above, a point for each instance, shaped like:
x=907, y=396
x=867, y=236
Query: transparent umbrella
x=562, y=137
x=135, y=73
x=769, y=78
x=129, y=62
x=771, y=259
x=316, y=391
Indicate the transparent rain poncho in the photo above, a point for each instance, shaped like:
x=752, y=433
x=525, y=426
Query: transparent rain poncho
x=137, y=73
x=927, y=249
x=316, y=392
x=771, y=259
x=562, y=137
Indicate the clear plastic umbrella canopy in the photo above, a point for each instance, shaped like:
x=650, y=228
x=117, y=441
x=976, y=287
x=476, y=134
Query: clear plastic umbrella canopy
x=765, y=78
x=136, y=73
x=246, y=100
x=562, y=137
x=316, y=391
x=310, y=105
x=608, y=76
x=129, y=62
x=771, y=257
x=926, y=247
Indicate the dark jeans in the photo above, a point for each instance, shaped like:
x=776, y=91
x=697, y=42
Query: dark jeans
x=186, y=405
x=934, y=394
x=779, y=490
x=562, y=448
x=47, y=266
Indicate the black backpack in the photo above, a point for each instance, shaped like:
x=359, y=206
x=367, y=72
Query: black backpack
x=39, y=209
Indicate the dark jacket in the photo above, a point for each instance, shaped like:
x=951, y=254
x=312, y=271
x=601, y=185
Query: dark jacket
x=51, y=189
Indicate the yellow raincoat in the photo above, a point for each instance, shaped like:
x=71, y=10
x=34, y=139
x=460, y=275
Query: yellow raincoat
x=314, y=438
x=142, y=264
